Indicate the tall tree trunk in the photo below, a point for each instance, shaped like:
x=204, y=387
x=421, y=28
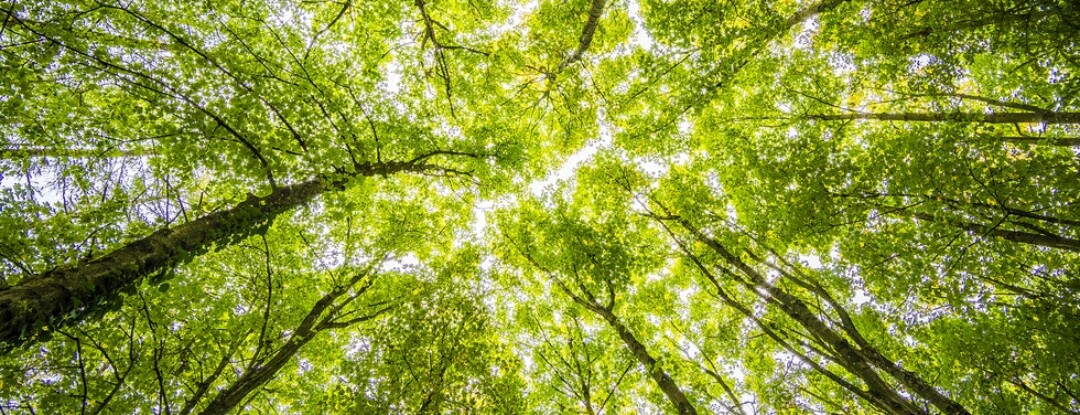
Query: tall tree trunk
x=878, y=393
x=662, y=378
x=65, y=294
x=1042, y=141
x=595, y=10
x=1002, y=20
x=260, y=372
x=22, y=152
x=995, y=118
x=859, y=361
x=1037, y=239
x=252, y=379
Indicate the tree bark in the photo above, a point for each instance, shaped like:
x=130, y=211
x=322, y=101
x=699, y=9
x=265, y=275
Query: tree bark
x=259, y=375
x=64, y=295
x=886, y=399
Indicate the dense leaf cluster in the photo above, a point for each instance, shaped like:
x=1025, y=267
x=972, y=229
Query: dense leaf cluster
x=586, y=206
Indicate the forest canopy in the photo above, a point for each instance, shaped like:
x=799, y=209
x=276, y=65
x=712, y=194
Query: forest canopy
x=539, y=206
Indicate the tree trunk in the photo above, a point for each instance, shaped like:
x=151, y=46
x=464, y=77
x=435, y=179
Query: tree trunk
x=262, y=371
x=23, y=152
x=595, y=10
x=877, y=393
x=1041, y=141
x=658, y=375
x=858, y=361
x=229, y=398
x=1043, y=240
x=65, y=294
x=995, y=118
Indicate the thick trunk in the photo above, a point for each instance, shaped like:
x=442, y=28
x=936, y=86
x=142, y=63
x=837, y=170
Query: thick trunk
x=46, y=299
x=995, y=118
x=658, y=375
x=65, y=294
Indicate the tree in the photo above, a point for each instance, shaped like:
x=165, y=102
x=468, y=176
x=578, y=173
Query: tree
x=585, y=206
x=592, y=273
x=39, y=301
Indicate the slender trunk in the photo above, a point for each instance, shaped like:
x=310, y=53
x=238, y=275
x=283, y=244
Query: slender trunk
x=252, y=379
x=847, y=354
x=662, y=378
x=1044, y=240
x=754, y=44
x=1002, y=20
x=869, y=352
x=1043, y=141
x=204, y=386
x=595, y=10
x=658, y=375
x=885, y=399
x=21, y=152
x=262, y=371
x=912, y=381
x=65, y=294
x=1007, y=211
x=994, y=118
x=857, y=360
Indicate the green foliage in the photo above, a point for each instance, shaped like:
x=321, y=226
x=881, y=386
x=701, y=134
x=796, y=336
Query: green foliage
x=709, y=191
